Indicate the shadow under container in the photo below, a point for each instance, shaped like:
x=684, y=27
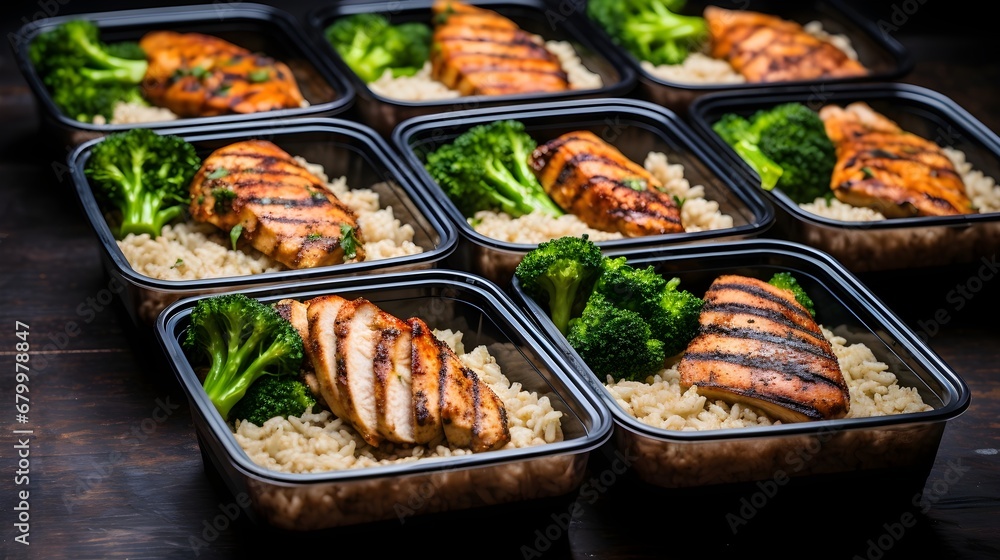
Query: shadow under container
x=633, y=127
x=343, y=148
x=444, y=300
x=900, y=445
x=256, y=27
x=884, y=56
x=383, y=113
x=891, y=244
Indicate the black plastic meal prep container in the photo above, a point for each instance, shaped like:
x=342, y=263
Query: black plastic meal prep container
x=897, y=446
x=344, y=149
x=257, y=27
x=444, y=300
x=632, y=126
x=535, y=16
x=891, y=244
x=877, y=49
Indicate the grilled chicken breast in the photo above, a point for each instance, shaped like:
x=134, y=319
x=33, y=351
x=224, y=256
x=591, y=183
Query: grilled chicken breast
x=286, y=212
x=881, y=166
x=758, y=346
x=766, y=48
x=479, y=52
x=394, y=381
x=196, y=75
x=593, y=180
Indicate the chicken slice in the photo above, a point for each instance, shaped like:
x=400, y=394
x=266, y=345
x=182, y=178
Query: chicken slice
x=393, y=385
x=297, y=313
x=428, y=355
x=357, y=338
x=321, y=348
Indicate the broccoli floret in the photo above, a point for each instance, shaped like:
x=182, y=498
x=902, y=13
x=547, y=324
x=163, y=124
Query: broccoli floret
x=672, y=314
x=615, y=341
x=736, y=131
x=370, y=45
x=652, y=30
x=675, y=320
x=628, y=287
x=560, y=274
x=787, y=146
x=145, y=176
x=786, y=281
x=271, y=396
x=486, y=168
x=85, y=76
x=242, y=340
x=794, y=136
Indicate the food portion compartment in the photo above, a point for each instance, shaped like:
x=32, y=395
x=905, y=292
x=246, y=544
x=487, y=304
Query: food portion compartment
x=871, y=219
x=637, y=136
x=417, y=79
x=754, y=392
x=255, y=238
x=317, y=470
x=791, y=45
x=243, y=78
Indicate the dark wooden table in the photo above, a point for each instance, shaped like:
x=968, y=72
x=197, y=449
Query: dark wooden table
x=115, y=469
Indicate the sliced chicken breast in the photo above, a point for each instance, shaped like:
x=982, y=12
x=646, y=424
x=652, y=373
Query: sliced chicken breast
x=297, y=313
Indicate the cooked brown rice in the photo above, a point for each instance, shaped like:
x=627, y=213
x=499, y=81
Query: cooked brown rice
x=660, y=402
x=980, y=188
x=701, y=68
x=191, y=250
x=697, y=212
x=319, y=441
x=422, y=87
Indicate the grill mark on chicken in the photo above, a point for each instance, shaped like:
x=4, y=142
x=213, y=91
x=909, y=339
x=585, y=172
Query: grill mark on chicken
x=778, y=364
x=758, y=346
x=792, y=340
x=757, y=291
x=744, y=309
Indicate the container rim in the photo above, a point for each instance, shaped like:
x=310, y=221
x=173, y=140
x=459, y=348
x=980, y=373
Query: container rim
x=246, y=11
x=904, y=59
x=959, y=117
x=668, y=122
x=315, y=19
x=376, y=146
x=600, y=432
x=958, y=393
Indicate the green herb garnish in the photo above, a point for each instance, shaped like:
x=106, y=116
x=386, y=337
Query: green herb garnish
x=234, y=234
x=348, y=241
x=218, y=173
x=258, y=76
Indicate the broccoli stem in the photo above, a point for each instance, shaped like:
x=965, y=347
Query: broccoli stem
x=562, y=290
x=507, y=185
x=767, y=169
x=230, y=383
x=132, y=71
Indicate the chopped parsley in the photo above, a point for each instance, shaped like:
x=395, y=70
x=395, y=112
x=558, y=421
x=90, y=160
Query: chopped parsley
x=314, y=236
x=234, y=234
x=258, y=76
x=218, y=173
x=868, y=172
x=635, y=183
x=678, y=200
x=178, y=263
x=348, y=241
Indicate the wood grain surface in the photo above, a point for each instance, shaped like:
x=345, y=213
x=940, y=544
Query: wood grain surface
x=116, y=470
